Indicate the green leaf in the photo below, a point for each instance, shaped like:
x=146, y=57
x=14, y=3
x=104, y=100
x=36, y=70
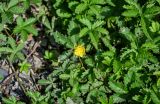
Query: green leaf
x=84, y=88
x=158, y=1
x=36, y=1
x=117, y=87
x=19, y=21
x=13, y=3
x=44, y=82
x=19, y=47
x=144, y=28
x=155, y=26
x=154, y=10
x=6, y=49
x=116, y=66
x=94, y=39
x=3, y=37
x=81, y=7
x=130, y=13
x=29, y=21
x=127, y=53
x=1, y=27
x=90, y=62
x=59, y=38
x=86, y=22
x=31, y=29
x=64, y=76
x=20, y=56
x=24, y=66
x=72, y=4
x=49, y=87
x=158, y=82
x=97, y=24
x=129, y=77
x=46, y=22
x=83, y=32
x=74, y=39
x=17, y=10
x=63, y=14
x=69, y=101
x=102, y=30
x=12, y=42
x=7, y=101
x=118, y=99
x=7, y=17
x=24, y=35
x=154, y=97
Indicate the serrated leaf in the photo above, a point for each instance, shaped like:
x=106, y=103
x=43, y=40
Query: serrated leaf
x=63, y=14
x=128, y=52
x=81, y=7
x=17, y=10
x=116, y=66
x=20, y=55
x=83, y=32
x=29, y=21
x=7, y=17
x=32, y=30
x=154, y=97
x=155, y=26
x=144, y=28
x=19, y=47
x=74, y=39
x=59, y=38
x=89, y=62
x=6, y=49
x=72, y=5
x=102, y=30
x=97, y=24
x=64, y=76
x=12, y=42
x=13, y=3
x=117, y=87
x=46, y=22
x=95, y=10
x=86, y=22
x=117, y=99
x=128, y=77
x=49, y=87
x=24, y=35
x=19, y=21
x=154, y=10
x=3, y=37
x=94, y=39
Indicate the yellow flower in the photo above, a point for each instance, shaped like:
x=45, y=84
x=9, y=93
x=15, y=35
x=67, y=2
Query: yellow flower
x=79, y=51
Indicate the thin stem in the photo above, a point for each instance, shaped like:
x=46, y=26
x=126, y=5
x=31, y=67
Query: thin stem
x=7, y=32
x=81, y=62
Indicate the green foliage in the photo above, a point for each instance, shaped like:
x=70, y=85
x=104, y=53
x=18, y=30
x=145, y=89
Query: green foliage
x=24, y=66
x=36, y=98
x=121, y=40
x=24, y=28
x=11, y=100
x=12, y=49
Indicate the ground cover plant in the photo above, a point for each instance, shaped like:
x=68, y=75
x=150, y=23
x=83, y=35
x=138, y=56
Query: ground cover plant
x=80, y=51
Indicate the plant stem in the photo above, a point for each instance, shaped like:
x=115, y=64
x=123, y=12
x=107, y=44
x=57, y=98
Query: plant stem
x=81, y=63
